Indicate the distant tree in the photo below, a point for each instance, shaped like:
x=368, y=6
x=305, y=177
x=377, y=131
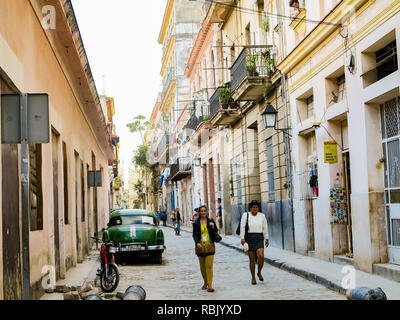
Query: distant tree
x=139, y=124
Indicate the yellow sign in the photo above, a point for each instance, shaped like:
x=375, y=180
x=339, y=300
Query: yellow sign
x=330, y=152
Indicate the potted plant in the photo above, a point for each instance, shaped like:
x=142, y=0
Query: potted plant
x=265, y=24
x=251, y=66
x=269, y=61
x=225, y=96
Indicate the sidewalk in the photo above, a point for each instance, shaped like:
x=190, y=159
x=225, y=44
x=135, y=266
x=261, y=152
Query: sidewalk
x=325, y=273
x=77, y=276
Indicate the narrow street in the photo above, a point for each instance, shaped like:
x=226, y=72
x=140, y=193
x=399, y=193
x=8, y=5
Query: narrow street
x=179, y=277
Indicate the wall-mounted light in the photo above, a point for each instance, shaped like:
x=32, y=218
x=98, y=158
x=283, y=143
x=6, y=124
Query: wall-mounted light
x=350, y=62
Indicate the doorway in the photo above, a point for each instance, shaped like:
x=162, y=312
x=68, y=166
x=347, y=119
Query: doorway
x=55, y=137
x=391, y=150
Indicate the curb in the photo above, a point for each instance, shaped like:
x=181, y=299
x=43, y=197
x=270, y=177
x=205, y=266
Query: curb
x=310, y=276
x=299, y=272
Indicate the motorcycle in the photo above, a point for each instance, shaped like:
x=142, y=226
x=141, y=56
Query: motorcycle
x=109, y=274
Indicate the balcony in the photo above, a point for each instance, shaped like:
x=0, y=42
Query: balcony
x=222, y=115
x=198, y=116
x=168, y=78
x=298, y=23
x=251, y=73
x=162, y=152
x=181, y=169
x=219, y=11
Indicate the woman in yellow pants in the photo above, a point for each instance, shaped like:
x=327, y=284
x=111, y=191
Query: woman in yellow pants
x=204, y=230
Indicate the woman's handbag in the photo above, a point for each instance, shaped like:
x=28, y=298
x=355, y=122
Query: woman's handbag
x=217, y=237
x=246, y=228
x=214, y=236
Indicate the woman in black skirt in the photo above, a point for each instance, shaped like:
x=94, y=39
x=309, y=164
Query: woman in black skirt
x=256, y=235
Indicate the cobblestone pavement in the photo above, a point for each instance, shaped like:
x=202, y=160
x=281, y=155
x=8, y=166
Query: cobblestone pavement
x=179, y=276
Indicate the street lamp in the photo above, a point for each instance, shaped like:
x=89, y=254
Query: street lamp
x=270, y=115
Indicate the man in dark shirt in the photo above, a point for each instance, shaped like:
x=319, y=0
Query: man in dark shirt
x=178, y=222
x=219, y=214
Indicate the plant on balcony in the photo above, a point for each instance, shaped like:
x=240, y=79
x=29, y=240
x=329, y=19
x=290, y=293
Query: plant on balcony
x=225, y=96
x=269, y=61
x=265, y=24
x=251, y=66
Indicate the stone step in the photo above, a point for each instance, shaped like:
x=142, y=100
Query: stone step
x=343, y=260
x=387, y=270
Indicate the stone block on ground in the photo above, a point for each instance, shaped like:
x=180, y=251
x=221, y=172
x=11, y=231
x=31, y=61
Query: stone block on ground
x=62, y=289
x=108, y=295
x=120, y=295
x=73, y=295
x=94, y=291
x=86, y=288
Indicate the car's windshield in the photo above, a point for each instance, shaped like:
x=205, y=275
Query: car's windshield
x=127, y=220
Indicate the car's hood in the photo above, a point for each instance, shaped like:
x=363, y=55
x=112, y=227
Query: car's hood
x=132, y=233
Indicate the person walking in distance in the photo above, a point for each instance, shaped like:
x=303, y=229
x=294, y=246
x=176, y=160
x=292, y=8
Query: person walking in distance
x=173, y=219
x=219, y=213
x=204, y=230
x=164, y=218
x=256, y=235
x=178, y=222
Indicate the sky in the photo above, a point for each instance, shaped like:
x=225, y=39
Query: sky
x=120, y=39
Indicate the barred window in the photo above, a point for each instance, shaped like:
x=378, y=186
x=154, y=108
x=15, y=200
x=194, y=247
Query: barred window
x=310, y=107
x=341, y=84
x=271, y=176
x=35, y=187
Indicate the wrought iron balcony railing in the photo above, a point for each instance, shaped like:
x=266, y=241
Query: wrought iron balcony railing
x=168, y=78
x=162, y=149
x=253, y=62
x=181, y=169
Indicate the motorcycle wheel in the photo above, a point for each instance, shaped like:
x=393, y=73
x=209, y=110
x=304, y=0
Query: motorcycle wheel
x=111, y=283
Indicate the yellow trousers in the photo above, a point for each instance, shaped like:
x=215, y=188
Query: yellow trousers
x=206, y=268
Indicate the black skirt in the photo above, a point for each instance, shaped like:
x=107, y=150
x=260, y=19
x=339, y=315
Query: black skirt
x=255, y=241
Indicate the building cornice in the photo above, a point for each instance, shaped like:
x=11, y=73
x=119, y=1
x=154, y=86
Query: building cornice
x=166, y=19
x=198, y=46
x=372, y=25
x=319, y=34
x=67, y=45
x=167, y=55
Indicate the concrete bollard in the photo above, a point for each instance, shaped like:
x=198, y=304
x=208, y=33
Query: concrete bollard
x=93, y=297
x=365, y=293
x=135, y=293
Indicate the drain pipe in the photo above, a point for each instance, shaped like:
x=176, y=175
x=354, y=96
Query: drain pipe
x=289, y=176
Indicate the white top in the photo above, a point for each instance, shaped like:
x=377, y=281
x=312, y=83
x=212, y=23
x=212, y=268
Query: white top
x=257, y=224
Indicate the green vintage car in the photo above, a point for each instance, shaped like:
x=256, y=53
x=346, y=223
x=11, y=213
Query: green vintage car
x=135, y=232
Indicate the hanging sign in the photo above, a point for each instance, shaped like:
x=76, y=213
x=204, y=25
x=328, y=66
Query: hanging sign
x=330, y=152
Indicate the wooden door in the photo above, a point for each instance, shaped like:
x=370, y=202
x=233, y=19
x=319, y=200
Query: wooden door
x=12, y=282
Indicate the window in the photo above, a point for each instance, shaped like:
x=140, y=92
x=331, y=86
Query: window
x=341, y=84
x=386, y=60
x=35, y=187
x=270, y=168
x=83, y=192
x=239, y=180
x=380, y=60
x=65, y=170
x=310, y=107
